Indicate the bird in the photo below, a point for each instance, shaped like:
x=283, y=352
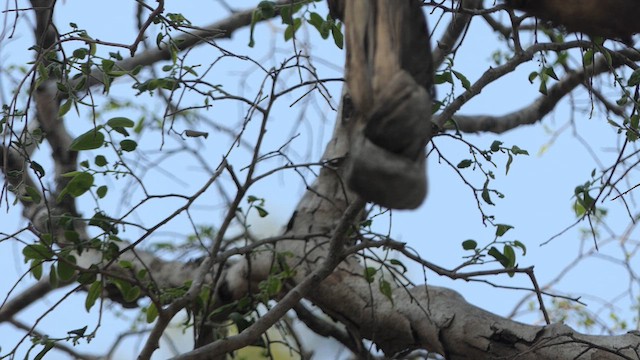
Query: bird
x=609, y=19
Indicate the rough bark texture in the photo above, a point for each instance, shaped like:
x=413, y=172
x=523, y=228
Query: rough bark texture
x=390, y=80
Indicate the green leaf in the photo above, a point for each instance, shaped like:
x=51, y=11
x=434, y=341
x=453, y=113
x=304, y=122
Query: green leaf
x=120, y=122
x=501, y=229
x=86, y=278
x=37, y=168
x=521, y=246
x=369, y=274
x=66, y=270
x=268, y=8
x=634, y=78
x=36, y=252
x=100, y=160
x=533, y=76
x=510, y=255
x=255, y=17
x=65, y=107
x=509, y=162
x=543, y=87
x=36, y=269
x=128, y=145
x=80, y=53
x=261, y=211
x=92, y=139
x=316, y=21
x=48, y=346
x=469, y=244
x=92, y=295
x=291, y=29
x=495, y=146
x=464, y=164
x=551, y=73
x=102, y=191
x=517, y=151
x=445, y=77
x=132, y=294
x=385, y=289
x=496, y=254
x=466, y=84
x=78, y=332
x=587, y=58
x=33, y=194
x=273, y=286
x=285, y=14
x=78, y=185
x=485, y=193
x=398, y=263
x=338, y=37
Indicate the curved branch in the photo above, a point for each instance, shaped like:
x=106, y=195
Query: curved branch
x=544, y=104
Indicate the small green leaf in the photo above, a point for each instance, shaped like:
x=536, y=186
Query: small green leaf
x=369, y=274
x=48, y=346
x=262, y=212
x=37, y=168
x=100, y=160
x=509, y=162
x=551, y=73
x=33, y=194
x=517, y=151
x=132, y=294
x=501, y=229
x=495, y=146
x=291, y=29
x=78, y=185
x=634, y=78
x=338, y=37
x=469, y=244
x=485, y=193
x=466, y=84
x=496, y=254
x=65, y=107
x=510, y=255
x=521, y=246
x=36, y=252
x=102, y=191
x=587, y=58
x=92, y=139
x=464, y=164
x=36, y=269
x=92, y=295
x=128, y=145
x=78, y=332
x=398, y=263
x=120, y=122
x=268, y=8
x=273, y=286
x=66, y=270
x=385, y=289
x=445, y=77
x=285, y=14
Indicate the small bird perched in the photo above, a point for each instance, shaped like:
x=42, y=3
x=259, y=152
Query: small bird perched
x=611, y=19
